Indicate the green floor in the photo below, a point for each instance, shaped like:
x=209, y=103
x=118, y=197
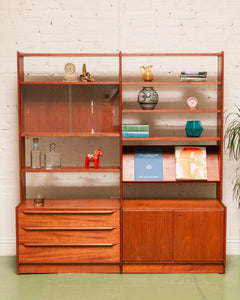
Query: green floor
x=116, y=286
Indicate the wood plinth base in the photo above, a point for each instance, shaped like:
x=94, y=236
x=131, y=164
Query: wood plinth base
x=115, y=268
x=173, y=268
x=68, y=268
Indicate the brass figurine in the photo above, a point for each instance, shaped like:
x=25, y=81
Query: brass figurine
x=85, y=76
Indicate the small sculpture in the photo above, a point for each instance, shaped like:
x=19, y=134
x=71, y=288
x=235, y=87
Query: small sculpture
x=85, y=76
x=93, y=158
x=146, y=73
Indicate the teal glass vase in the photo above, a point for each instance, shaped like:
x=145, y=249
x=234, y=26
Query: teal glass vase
x=193, y=128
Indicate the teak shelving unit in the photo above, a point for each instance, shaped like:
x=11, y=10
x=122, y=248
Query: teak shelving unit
x=131, y=232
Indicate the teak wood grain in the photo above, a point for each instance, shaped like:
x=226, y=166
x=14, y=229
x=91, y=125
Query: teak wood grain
x=173, y=268
x=73, y=205
x=178, y=111
x=69, y=268
x=114, y=235
x=65, y=235
x=177, y=233
x=72, y=169
x=69, y=219
x=173, y=204
x=198, y=236
x=147, y=236
x=68, y=254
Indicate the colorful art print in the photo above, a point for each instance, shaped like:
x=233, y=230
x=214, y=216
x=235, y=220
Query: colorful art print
x=191, y=163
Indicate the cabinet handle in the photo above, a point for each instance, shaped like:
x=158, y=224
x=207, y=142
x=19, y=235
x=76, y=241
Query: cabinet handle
x=100, y=212
x=68, y=228
x=70, y=245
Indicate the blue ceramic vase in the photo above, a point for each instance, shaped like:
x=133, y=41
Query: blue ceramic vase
x=193, y=128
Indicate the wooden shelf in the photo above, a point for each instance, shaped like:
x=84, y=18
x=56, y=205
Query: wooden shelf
x=196, y=111
x=71, y=169
x=68, y=134
x=171, y=83
x=172, y=181
x=169, y=166
x=67, y=205
x=172, y=54
x=69, y=83
x=148, y=204
x=69, y=54
x=175, y=138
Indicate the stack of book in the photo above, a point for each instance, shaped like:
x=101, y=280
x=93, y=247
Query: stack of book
x=135, y=131
x=193, y=76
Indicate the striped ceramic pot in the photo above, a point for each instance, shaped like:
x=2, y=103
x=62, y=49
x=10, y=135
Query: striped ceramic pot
x=148, y=98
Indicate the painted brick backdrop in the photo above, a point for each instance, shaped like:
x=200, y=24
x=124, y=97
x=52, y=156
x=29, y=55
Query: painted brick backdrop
x=110, y=26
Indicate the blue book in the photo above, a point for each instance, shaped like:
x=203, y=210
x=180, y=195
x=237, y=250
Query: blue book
x=135, y=127
x=135, y=134
x=148, y=163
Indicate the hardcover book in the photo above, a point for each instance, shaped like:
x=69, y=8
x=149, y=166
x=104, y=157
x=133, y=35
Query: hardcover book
x=191, y=163
x=135, y=134
x=194, y=74
x=135, y=127
x=148, y=163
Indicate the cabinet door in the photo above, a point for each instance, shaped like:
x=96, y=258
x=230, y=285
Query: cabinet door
x=147, y=236
x=198, y=236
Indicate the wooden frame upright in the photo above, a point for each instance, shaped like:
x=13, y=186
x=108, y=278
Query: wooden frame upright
x=122, y=235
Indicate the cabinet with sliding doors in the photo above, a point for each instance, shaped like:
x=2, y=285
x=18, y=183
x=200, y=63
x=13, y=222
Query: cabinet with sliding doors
x=77, y=228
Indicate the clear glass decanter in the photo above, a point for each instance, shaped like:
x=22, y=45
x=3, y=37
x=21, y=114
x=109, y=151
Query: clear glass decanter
x=52, y=158
x=35, y=155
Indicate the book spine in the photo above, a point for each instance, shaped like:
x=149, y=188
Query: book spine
x=135, y=134
x=135, y=127
x=193, y=76
x=194, y=73
x=196, y=79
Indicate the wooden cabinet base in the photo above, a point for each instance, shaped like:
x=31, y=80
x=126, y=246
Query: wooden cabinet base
x=173, y=268
x=68, y=268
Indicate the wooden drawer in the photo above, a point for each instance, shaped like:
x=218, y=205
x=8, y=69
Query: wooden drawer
x=69, y=254
x=81, y=235
x=69, y=219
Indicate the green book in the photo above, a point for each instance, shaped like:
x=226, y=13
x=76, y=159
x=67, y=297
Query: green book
x=135, y=127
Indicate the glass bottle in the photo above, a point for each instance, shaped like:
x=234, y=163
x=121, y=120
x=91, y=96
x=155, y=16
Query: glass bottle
x=52, y=158
x=35, y=155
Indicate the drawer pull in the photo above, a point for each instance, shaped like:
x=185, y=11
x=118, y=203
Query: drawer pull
x=84, y=212
x=70, y=245
x=68, y=228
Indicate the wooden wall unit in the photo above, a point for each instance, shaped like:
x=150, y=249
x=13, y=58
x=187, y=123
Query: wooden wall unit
x=138, y=230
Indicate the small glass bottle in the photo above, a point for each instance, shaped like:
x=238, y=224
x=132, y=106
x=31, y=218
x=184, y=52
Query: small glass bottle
x=52, y=158
x=35, y=155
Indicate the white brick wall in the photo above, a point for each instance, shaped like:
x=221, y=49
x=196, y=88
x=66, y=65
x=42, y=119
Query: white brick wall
x=109, y=26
